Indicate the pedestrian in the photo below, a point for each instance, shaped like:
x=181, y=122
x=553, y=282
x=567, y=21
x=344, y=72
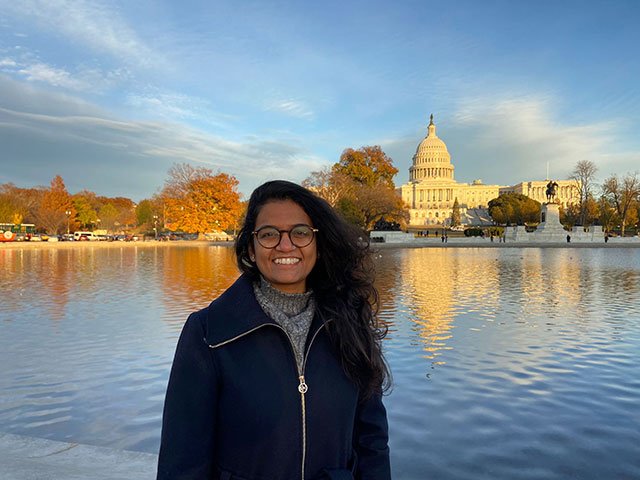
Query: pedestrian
x=568, y=238
x=282, y=376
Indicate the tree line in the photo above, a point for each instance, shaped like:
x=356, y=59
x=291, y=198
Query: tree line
x=198, y=200
x=613, y=204
x=359, y=185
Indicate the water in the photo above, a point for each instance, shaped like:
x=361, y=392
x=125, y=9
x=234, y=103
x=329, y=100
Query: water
x=507, y=363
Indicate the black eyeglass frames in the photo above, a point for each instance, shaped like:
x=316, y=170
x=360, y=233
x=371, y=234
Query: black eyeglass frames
x=270, y=237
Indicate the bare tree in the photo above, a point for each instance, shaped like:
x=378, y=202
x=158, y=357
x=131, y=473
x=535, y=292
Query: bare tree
x=328, y=184
x=584, y=175
x=622, y=194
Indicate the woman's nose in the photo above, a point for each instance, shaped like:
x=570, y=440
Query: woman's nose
x=285, y=242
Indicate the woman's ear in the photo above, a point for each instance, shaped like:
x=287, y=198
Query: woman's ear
x=252, y=254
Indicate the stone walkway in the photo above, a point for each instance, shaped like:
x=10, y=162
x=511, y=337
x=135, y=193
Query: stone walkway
x=28, y=458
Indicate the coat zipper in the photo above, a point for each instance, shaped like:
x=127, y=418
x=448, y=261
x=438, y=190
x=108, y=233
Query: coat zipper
x=302, y=387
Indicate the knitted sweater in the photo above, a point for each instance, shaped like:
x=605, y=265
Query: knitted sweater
x=292, y=311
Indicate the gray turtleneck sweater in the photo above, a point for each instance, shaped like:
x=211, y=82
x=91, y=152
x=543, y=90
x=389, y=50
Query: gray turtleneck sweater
x=292, y=311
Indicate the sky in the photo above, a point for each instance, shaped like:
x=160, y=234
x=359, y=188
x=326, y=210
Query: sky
x=110, y=94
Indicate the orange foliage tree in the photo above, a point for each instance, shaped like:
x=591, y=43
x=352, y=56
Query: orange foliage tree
x=361, y=187
x=198, y=201
x=52, y=216
x=23, y=201
x=369, y=166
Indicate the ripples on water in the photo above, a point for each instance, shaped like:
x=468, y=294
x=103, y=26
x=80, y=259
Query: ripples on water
x=507, y=363
x=513, y=363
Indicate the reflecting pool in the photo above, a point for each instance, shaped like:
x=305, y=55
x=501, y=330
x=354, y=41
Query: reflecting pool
x=507, y=363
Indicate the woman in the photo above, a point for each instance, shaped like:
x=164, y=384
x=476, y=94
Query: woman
x=282, y=376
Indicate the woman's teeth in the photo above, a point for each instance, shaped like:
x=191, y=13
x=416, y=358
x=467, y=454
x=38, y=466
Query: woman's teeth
x=286, y=261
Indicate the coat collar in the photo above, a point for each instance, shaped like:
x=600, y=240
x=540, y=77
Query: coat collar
x=237, y=313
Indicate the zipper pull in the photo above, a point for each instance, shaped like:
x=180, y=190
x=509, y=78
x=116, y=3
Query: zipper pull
x=302, y=388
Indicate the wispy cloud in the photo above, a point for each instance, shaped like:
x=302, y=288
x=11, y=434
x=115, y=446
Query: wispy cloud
x=7, y=62
x=94, y=25
x=507, y=139
x=525, y=133
x=40, y=72
x=290, y=107
x=172, y=106
x=140, y=151
x=83, y=79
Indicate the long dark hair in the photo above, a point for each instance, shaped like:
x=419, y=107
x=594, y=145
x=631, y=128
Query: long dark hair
x=342, y=282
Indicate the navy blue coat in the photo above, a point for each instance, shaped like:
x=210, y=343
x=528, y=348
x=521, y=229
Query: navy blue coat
x=238, y=408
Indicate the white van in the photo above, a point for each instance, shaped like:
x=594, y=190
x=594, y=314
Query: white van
x=77, y=236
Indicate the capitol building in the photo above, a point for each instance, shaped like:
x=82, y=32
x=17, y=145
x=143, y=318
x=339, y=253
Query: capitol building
x=432, y=189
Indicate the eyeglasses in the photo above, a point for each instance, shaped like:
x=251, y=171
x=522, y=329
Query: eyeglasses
x=299, y=235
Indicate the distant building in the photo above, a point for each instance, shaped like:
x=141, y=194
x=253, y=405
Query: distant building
x=432, y=190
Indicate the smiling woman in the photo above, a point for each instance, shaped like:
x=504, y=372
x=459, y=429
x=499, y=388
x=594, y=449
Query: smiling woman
x=285, y=261
x=282, y=376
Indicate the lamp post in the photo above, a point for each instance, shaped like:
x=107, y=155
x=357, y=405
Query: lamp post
x=68, y=214
x=155, y=226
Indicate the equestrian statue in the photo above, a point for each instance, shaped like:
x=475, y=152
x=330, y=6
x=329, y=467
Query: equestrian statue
x=552, y=191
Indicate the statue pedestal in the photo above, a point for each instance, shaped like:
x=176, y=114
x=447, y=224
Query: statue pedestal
x=550, y=228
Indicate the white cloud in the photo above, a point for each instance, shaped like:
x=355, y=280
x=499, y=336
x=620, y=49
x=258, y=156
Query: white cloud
x=94, y=25
x=174, y=106
x=517, y=136
x=8, y=62
x=290, y=107
x=40, y=72
x=509, y=139
x=84, y=79
x=95, y=150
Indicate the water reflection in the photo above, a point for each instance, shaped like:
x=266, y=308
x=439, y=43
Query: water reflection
x=507, y=363
x=438, y=285
x=192, y=278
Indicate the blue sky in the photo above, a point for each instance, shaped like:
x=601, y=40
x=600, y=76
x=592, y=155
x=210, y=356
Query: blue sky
x=110, y=94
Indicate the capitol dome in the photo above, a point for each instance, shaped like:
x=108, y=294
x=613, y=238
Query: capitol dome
x=432, y=160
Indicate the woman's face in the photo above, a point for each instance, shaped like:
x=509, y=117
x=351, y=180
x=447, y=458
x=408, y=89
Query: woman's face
x=286, y=266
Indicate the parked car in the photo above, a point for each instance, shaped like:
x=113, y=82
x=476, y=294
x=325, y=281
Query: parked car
x=85, y=236
x=53, y=238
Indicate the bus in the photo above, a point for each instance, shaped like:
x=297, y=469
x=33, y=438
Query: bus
x=10, y=231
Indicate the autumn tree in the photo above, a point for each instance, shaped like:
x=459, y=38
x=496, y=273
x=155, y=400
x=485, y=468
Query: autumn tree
x=145, y=212
x=85, y=214
x=622, y=193
x=368, y=165
x=8, y=208
x=360, y=186
x=583, y=176
x=329, y=184
x=570, y=215
x=196, y=200
x=108, y=217
x=366, y=205
x=126, y=211
x=23, y=201
x=607, y=215
x=455, y=214
x=51, y=214
x=514, y=208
